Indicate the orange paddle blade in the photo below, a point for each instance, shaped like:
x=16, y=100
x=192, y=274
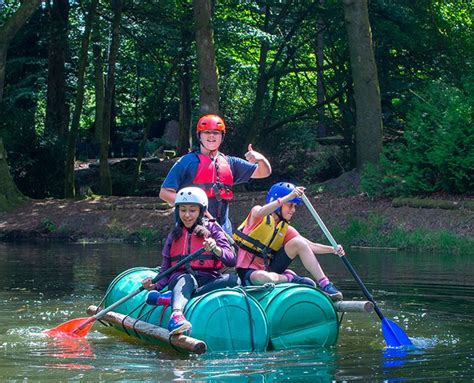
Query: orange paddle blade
x=75, y=327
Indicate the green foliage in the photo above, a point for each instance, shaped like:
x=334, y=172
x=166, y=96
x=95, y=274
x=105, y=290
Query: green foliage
x=145, y=235
x=37, y=165
x=7, y=204
x=415, y=43
x=48, y=226
x=438, y=149
x=151, y=146
x=364, y=232
x=302, y=159
x=375, y=232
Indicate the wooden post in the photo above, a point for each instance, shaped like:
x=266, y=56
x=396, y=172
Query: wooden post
x=354, y=306
x=133, y=325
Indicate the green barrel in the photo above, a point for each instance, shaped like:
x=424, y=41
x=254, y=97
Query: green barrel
x=298, y=316
x=226, y=319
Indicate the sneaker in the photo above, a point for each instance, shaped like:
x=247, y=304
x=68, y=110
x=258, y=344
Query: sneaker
x=331, y=291
x=155, y=298
x=303, y=281
x=178, y=323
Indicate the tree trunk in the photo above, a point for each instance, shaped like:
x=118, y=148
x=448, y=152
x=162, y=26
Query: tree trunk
x=208, y=83
x=8, y=31
x=57, y=115
x=98, y=82
x=69, y=188
x=184, y=131
x=251, y=132
x=320, y=91
x=261, y=91
x=369, y=128
x=105, y=177
x=10, y=196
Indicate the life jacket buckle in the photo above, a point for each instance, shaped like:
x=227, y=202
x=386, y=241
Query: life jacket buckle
x=217, y=193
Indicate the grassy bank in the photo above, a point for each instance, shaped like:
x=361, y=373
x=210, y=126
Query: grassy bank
x=375, y=232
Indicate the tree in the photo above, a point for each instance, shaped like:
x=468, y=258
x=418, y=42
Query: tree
x=9, y=193
x=69, y=188
x=99, y=87
x=8, y=32
x=57, y=112
x=369, y=129
x=10, y=196
x=208, y=83
x=105, y=177
x=320, y=91
x=184, y=131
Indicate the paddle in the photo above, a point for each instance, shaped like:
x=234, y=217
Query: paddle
x=81, y=326
x=393, y=334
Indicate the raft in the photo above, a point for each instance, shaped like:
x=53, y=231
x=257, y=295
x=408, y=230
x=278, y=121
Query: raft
x=240, y=319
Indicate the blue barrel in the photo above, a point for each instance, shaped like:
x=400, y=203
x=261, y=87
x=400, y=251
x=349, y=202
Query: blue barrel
x=226, y=319
x=298, y=316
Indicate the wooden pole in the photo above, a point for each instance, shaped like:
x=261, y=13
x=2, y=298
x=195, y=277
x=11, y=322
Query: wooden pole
x=354, y=306
x=132, y=325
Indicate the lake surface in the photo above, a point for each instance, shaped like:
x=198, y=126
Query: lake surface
x=42, y=285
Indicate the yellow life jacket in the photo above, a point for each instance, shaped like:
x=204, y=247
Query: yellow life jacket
x=265, y=239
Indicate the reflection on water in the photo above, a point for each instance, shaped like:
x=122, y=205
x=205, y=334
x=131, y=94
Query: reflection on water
x=429, y=296
x=69, y=347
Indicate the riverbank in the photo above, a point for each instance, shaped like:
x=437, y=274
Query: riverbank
x=353, y=220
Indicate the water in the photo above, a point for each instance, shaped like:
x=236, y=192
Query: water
x=429, y=295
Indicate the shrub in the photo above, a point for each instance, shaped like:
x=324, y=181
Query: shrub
x=437, y=149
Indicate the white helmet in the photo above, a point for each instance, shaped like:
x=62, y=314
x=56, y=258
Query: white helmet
x=192, y=195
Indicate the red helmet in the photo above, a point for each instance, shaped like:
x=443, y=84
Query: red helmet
x=210, y=122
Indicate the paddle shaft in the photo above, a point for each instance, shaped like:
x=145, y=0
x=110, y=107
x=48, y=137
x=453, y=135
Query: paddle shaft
x=349, y=266
x=214, y=220
x=101, y=313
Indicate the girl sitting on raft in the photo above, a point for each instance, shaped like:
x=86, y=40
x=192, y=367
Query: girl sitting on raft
x=268, y=244
x=191, y=233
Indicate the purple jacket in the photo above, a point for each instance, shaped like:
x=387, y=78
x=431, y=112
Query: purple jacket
x=228, y=257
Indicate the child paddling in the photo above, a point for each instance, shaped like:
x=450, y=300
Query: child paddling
x=268, y=244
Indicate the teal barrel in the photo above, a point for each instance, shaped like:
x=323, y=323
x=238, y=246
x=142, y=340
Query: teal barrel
x=298, y=316
x=226, y=319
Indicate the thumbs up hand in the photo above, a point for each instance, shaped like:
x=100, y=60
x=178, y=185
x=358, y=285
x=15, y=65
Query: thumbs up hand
x=253, y=156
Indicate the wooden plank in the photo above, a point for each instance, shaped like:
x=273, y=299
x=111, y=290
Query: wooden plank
x=183, y=342
x=354, y=306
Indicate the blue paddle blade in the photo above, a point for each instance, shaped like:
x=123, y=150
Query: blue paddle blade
x=394, y=335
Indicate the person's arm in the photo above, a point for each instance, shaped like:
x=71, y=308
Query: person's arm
x=165, y=265
x=168, y=195
x=262, y=211
x=264, y=169
x=318, y=248
x=219, y=245
x=176, y=178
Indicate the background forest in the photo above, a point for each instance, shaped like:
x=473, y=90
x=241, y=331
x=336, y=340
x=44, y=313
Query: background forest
x=98, y=79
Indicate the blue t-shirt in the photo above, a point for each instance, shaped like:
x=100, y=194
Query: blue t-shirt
x=184, y=170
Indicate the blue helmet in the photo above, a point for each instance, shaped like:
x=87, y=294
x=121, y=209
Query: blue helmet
x=280, y=190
